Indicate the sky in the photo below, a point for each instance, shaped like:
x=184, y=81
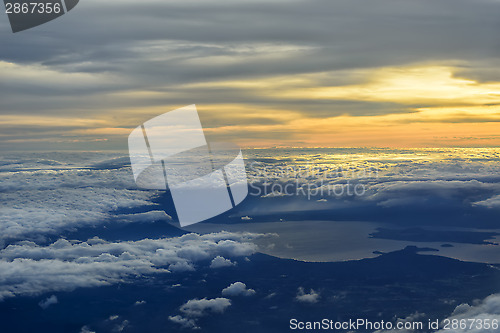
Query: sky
x=315, y=73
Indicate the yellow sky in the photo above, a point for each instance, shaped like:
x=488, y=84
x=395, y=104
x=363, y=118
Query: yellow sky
x=437, y=108
x=458, y=112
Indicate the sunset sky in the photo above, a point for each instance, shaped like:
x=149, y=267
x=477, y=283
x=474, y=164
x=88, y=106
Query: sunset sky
x=315, y=73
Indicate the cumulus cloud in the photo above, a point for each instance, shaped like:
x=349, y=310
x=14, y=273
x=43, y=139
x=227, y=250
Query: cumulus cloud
x=197, y=308
x=121, y=326
x=48, y=302
x=311, y=297
x=237, y=289
x=413, y=318
x=489, y=308
x=152, y=63
x=29, y=269
x=219, y=262
x=201, y=307
x=184, y=322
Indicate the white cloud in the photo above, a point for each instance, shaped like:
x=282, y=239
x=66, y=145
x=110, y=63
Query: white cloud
x=46, y=194
x=29, y=269
x=86, y=329
x=48, y=302
x=219, y=262
x=311, y=297
x=237, y=289
x=38, y=198
x=184, y=322
x=197, y=308
x=493, y=202
x=489, y=309
x=201, y=307
x=275, y=194
x=53, y=211
x=181, y=266
x=403, y=192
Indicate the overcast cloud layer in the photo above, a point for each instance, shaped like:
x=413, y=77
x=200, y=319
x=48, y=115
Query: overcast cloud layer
x=106, y=67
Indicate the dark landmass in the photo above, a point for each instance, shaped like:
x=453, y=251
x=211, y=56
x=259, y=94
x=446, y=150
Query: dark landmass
x=393, y=285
